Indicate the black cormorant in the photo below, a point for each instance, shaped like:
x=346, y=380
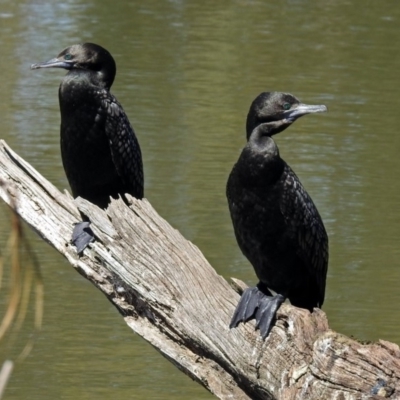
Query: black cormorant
x=100, y=152
x=276, y=224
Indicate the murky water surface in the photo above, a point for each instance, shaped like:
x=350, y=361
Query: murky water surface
x=187, y=73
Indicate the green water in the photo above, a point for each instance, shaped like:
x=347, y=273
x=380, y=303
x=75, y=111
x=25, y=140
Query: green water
x=187, y=73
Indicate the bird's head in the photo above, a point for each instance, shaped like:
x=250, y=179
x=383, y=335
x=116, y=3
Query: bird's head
x=87, y=58
x=276, y=111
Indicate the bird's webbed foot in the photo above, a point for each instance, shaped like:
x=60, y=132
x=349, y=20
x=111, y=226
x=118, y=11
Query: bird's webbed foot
x=258, y=304
x=82, y=235
x=246, y=307
x=266, y=312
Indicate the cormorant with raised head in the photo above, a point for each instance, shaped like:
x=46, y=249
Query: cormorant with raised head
x=100, y=152
x=276, y=224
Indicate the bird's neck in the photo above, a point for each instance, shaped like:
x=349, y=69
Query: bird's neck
x=260, y=162
x=261, y=142
x=87, y=77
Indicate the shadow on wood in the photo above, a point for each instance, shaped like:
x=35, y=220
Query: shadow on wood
x=168, y=293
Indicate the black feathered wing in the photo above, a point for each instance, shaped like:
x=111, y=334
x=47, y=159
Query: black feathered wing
x=124, y=146
x=302, y=218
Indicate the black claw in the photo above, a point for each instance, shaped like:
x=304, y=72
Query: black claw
x=255, y=303
x=266, y=312
x=246, y=307
x=82, y=235
x=252, y=303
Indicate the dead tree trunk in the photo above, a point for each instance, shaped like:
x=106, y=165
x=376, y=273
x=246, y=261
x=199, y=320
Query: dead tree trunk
x=168, y=293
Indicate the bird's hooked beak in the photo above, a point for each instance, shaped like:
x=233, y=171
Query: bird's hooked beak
x=302, y=109
x=54, y=63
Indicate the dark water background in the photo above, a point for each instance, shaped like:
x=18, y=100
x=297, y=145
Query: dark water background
x=187, y=73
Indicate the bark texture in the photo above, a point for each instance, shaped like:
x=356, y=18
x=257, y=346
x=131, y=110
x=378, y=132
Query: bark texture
x=168, y=293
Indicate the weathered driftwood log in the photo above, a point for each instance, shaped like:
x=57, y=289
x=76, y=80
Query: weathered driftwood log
x=168, y=293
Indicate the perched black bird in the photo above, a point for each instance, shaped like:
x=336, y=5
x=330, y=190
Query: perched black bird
x=276, y=224
x=99, y=149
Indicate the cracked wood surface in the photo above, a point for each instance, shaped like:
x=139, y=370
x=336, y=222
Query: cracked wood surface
x=168, y=293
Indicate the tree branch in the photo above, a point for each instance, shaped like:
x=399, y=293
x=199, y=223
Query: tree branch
x=168, y=293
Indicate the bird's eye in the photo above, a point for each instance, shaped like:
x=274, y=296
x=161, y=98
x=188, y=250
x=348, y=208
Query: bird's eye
x=68, y=56
x=286, y=106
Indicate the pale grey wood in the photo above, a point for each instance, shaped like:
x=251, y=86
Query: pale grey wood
x=168, y=293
